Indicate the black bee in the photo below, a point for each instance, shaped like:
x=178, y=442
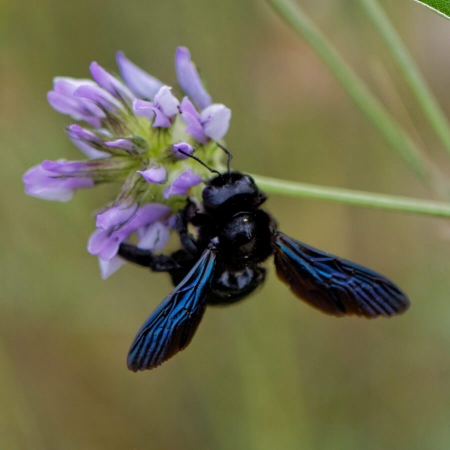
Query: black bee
x=222, y=266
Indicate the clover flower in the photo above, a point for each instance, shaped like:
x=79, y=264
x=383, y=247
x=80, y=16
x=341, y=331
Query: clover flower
x=133, y=131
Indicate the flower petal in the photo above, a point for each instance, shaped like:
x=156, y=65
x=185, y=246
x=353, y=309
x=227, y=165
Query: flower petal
x=77, y=132
x=124, y=144
x=153, y=237
x=38, y=175
x=187, y=107
x=110, y=83
x=98, y=96
x=104, y=243
x=192, y=118
x=51, y=185
x=116, y=215
x=64, y=104
x=77, y=108
x=194, y=128
x=144, y=108
x=86, y=141
x=70, y=168
x=189, y=79
x=161, y=120
x=166, y=101
x=90, y=151
x=181, y=184
x=140, y=82
x=59, y=195
x=149, y=213
x=110, y=266
x=154, y=174
x=183, y=146
x=67, y=86
x=148, y=109
x=216, y=120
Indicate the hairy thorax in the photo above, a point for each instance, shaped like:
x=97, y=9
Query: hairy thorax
x=244, y=238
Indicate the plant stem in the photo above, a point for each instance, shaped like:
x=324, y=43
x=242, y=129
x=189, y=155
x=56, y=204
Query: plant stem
x=354, y=86
x=410, y=71
x=350, y=197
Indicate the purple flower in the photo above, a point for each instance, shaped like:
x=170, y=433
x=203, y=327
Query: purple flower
x=184, y=147
x=110, y=266
x=213, y=122
x=77, y=132
x=116, y=215
x=86, y=141
x=151, y=212
x=110, y=83
x=123, y=144
x=131, y=122
x=72, y=168
x=99, y=96
x=154, y=236
x=40, y=181
x=62, y=99
x=189, y=79
x=105, y=242
x=95, y=169
x=163, y=109
x=181, y=184
x=141, y=83
x=154, y=174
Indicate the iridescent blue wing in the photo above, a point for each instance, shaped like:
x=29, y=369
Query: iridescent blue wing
x=172, y=325
x=334, y=285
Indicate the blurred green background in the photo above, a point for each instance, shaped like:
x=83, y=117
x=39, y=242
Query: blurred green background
x=269, y=373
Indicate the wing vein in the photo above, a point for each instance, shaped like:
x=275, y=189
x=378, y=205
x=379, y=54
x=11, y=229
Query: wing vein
x=334, y=285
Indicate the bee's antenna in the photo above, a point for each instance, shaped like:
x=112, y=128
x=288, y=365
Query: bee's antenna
x=230, y=156
x=199, y=160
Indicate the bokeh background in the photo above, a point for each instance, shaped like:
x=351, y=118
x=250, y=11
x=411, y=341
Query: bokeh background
x=269, y=373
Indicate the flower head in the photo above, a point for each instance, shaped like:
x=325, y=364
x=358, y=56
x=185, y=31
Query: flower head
x=133, y=130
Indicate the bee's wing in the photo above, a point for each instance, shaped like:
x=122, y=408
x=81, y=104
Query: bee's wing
x=172, y=325
x=334, y=285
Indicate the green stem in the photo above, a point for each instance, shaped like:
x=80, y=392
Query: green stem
x=410, y=71
x=350, y=197
x=354, y=86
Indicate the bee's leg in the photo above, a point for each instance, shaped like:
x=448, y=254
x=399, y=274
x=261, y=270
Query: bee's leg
x=187, y=240
x=182, y=219
x=146, y=258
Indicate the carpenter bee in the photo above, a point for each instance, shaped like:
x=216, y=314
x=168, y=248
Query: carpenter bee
x=222, y=265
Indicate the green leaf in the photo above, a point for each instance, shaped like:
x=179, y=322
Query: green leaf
x=442, y=7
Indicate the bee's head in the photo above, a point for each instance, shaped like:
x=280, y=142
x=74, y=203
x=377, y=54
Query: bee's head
x=231, y=190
